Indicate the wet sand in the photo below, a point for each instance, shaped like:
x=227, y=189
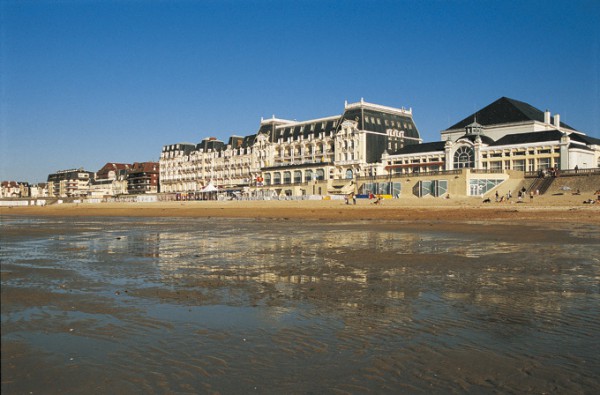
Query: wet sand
x=301, y=297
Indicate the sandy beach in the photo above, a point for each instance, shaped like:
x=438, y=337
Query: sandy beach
x=438, y=304
x=552, y=208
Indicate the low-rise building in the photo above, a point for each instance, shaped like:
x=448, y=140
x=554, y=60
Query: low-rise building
x=14, y=189
x=110, y=180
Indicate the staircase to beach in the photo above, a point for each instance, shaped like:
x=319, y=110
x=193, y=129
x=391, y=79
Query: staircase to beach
x=541, y=184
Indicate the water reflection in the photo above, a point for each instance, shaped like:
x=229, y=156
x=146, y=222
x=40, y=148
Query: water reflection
x=381, y=304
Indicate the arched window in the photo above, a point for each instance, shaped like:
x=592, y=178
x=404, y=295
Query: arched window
x=287, y=177
x=277, y=178
x=308, y=176
x=349, y=174
x=463, y=157
x=268, y=179
x=297, y=177
x=320, y=174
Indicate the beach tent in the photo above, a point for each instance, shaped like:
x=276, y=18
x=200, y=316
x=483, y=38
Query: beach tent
x=209, y=192
x=209, y=188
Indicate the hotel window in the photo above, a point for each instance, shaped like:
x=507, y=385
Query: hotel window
x=543, y=163
x=519, y=165
x=297, y=177
x=287, y=177
x=277, y=178
x=496, y=165
x=308, y=176
x=320, y=174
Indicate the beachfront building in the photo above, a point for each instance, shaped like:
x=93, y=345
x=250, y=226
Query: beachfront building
x=38, y=190
x=319, y=156
x=70, y=183
x=14, y=189
x=506, y=136
x=110, y=180
x=142, y=178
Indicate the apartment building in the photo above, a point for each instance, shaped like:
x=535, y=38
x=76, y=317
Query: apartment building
x=70, y=183
x=142, y=177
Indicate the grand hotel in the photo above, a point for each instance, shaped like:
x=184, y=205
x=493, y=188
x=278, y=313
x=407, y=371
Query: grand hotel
x=378, y=149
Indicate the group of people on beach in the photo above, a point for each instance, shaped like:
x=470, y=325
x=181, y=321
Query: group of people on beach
x=506, y=198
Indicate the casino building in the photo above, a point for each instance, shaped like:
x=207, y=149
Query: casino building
x=319, y=156
x=508, y=138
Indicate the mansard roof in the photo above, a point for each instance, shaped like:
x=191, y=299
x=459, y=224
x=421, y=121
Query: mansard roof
x=305, y=129
x=379, y=119
x=211, y=143
x=370, y=117
x=421, y=148
x=505, y=111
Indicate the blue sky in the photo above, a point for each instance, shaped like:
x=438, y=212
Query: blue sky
x=84, y=83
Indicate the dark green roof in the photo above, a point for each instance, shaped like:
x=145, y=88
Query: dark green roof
x=505, y=110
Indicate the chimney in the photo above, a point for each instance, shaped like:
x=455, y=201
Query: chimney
x=547, y=117
x=557, y=121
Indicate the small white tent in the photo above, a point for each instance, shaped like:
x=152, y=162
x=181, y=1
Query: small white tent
x=209, y=188
x=209, y=192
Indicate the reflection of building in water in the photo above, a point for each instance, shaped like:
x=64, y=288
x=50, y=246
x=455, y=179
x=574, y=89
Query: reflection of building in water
x=332, y=267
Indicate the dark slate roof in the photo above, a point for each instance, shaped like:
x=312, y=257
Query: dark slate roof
x=584, y=139
x=533, y=137
x=505, y=110
x=305, y=129
x=364, y=117
x=212, y=144
x=249, y=141
x=579, y=146
x=420, y=148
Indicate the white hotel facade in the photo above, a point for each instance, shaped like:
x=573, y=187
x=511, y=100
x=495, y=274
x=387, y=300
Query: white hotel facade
x=375, y=148
x=319, y=156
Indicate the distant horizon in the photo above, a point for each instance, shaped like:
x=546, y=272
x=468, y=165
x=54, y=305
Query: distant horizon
x=83, y=84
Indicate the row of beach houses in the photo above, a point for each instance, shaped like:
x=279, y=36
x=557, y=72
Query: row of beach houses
x=367, y=149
